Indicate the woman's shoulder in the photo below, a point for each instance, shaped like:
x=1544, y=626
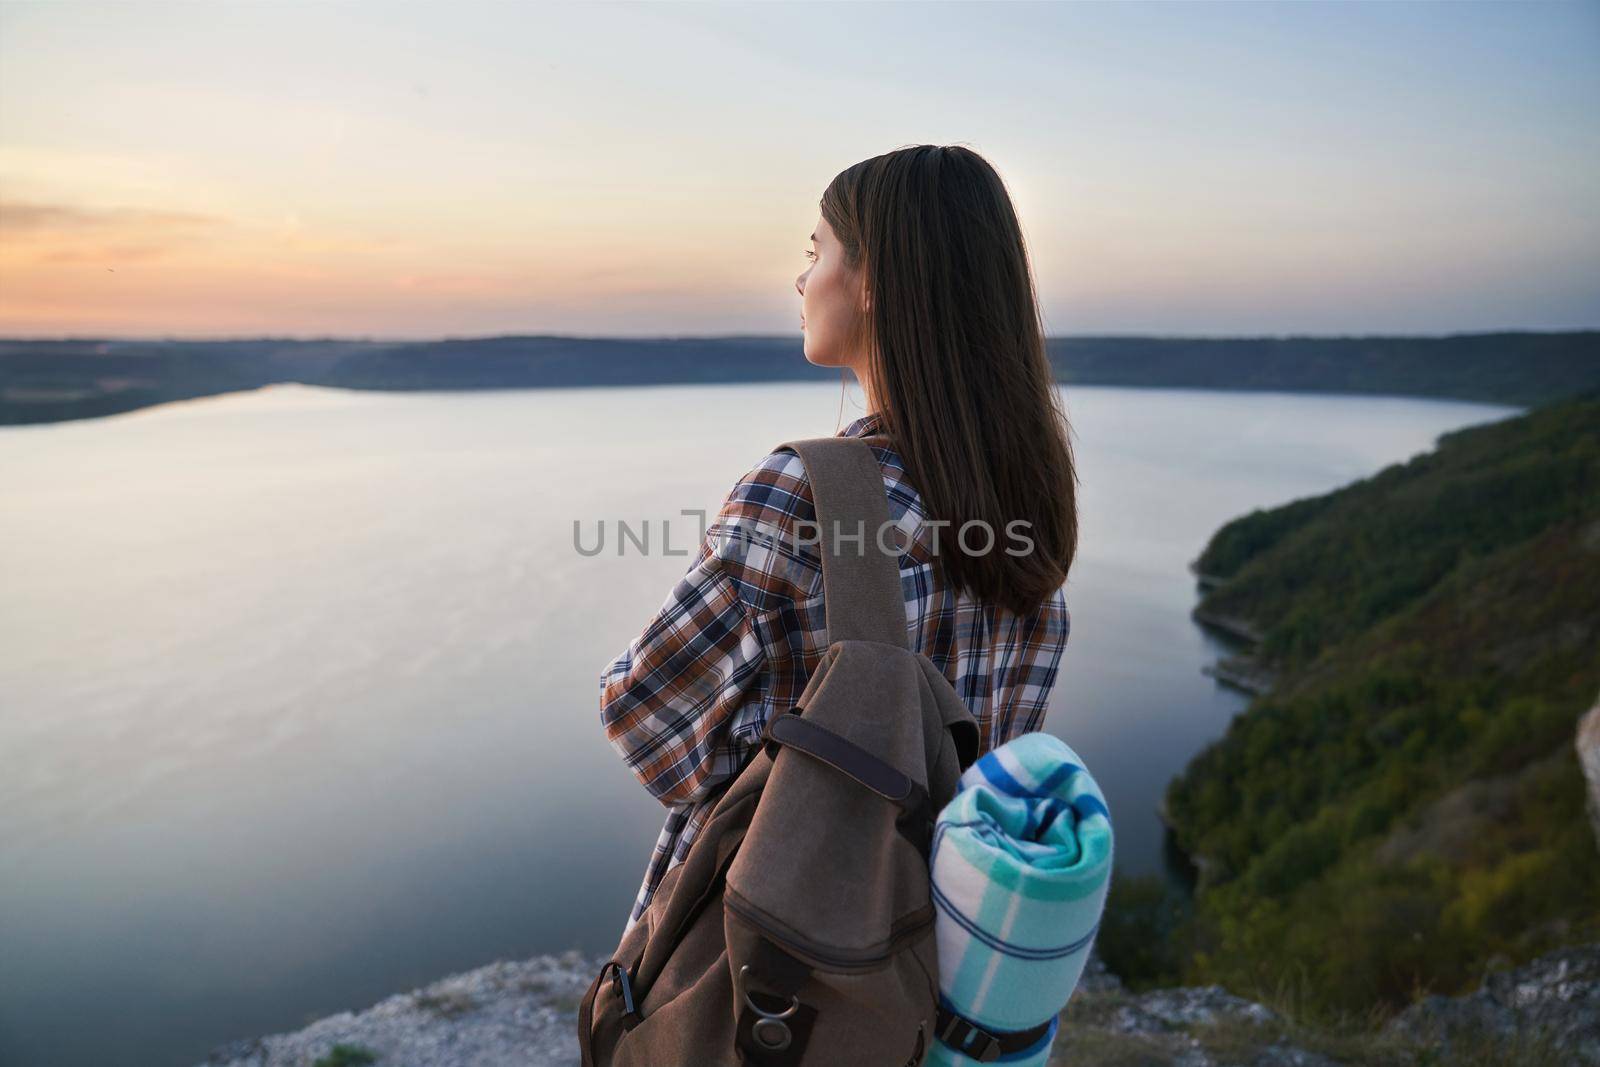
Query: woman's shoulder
x=757, y=533
x=776, y=491
x=773, y=493
x=774, y=496
x=766, y=523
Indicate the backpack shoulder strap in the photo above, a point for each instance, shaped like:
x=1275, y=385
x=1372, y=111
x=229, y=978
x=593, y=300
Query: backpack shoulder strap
x=861, y=589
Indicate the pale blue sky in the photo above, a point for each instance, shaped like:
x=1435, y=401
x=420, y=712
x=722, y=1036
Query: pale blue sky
x=410, y=170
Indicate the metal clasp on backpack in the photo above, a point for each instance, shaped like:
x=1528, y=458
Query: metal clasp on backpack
x=623, y=984
x=769, y=1030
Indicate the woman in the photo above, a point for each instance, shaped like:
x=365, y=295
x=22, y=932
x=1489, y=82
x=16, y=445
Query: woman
x=919, y=284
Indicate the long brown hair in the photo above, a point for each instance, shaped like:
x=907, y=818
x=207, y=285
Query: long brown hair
x=958, y=364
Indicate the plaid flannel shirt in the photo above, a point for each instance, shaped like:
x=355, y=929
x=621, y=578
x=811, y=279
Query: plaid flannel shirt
x=685, y=703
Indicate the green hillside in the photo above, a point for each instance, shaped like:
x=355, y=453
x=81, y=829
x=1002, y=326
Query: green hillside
x=1404, y=803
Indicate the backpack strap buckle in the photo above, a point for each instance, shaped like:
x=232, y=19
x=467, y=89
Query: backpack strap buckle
x=957, y=1033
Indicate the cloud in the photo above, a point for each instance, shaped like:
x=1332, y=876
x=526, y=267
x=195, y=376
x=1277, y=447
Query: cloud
x=22, y=218
x=36, y=232
x=98, y=253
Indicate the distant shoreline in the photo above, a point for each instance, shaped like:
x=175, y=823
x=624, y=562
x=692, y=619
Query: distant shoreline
x=44, y=381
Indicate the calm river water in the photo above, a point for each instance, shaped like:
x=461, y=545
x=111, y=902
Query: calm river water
x=299, y=686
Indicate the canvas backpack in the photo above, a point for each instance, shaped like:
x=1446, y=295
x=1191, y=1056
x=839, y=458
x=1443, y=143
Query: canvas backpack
x=799, y=929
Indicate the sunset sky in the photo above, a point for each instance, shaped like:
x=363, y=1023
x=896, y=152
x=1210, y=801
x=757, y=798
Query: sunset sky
x=412, y=171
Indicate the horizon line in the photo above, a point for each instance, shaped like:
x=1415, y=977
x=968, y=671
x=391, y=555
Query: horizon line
x=435, y=338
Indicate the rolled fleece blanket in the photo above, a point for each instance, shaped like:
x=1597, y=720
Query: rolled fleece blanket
x=1021, y=863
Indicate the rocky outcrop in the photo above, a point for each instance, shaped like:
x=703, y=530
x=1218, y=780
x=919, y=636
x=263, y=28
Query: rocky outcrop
x=1234, y=626
x=1242, y=671
x=1542, y=1014
x=1548, y=1008
x=522, y=1014
x=506, y=1014
x=1201, y=1026
x=1588, y=744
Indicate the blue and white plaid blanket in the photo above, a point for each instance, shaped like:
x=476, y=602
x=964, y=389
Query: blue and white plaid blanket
x=1021, y=864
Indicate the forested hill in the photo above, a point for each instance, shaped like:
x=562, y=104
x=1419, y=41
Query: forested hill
x=44, y=381
x=1501, y=368
x=1404, y=802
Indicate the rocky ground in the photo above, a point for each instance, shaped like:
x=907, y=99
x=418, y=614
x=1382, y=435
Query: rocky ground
x=522, y=1014
x=1543, y=1014
x=507, y=1014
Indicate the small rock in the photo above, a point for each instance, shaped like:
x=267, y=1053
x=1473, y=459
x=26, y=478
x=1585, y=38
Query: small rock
x=1202, y=1005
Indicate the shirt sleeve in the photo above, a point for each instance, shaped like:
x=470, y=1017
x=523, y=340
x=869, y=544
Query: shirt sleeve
x=685, y=702
x=1027, y=663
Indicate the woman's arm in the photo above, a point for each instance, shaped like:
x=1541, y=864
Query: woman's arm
x=676, y=703
x=684, y=704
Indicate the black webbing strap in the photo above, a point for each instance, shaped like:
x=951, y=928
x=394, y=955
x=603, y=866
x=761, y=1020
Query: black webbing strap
x=842, y=754
x=968, y=1038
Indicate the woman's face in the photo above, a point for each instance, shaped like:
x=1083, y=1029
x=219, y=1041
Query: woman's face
x=831, y=303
